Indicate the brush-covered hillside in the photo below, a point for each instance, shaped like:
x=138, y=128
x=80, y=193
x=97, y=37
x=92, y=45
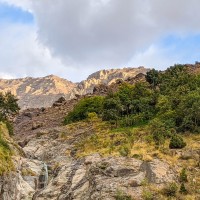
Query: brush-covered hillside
x=135, y=139
x=158, y=117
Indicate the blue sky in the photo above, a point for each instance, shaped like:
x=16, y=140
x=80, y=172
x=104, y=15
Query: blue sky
x=72, y=39
x=13, y=14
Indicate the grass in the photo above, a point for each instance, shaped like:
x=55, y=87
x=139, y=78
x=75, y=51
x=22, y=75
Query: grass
x=135, y=140
x=6, y=164
x=97, y=136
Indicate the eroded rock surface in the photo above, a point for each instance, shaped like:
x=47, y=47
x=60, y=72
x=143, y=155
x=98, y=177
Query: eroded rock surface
x=92, y=177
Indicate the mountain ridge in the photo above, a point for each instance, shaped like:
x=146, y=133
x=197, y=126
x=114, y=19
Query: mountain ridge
x=44, y=91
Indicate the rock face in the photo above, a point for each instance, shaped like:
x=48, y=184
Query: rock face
x=37, y=92
x=50, y=169
x=106, y=77
x=43, y=92
x=89, y=178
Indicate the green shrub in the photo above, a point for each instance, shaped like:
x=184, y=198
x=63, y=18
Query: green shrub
x=92, y=116
x=147, y=195
x=6, y=163
x=158, y=131
x=83, y=108
x=183, y=176
x=122, y=196
x=170, y=190
x=125, y=150
x=9, y=126
x=176, y=142
x=183, y=190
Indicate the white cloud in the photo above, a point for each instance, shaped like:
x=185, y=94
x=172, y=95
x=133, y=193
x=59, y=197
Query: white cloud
x=101, y=33
x=24, y=4
x=22, y=55
x=92, y=34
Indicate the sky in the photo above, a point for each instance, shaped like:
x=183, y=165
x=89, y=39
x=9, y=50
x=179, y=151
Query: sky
x=74, y=38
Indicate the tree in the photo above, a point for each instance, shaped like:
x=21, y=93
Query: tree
x=152, y=77
x=112, y=108
x=158, y=130
x=8, y=106
x=84, y=107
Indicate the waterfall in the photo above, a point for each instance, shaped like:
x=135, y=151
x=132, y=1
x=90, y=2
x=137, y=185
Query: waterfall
x=46, y=174
x=43, y=178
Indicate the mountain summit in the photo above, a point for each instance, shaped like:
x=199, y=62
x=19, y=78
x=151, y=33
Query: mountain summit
x=44, y=91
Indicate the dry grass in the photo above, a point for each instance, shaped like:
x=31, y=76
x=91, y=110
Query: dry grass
x=6, y=164
x=135, y=142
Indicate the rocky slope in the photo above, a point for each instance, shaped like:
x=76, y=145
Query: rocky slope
x=50, y=170
x=37, y=92
x=106, y=77
x=49, y=167
x=42, y=92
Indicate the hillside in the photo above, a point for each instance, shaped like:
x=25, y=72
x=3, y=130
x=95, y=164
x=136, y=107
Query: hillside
x=44, y=91
x=107, y=77
x=37, y=92
x=136, y=139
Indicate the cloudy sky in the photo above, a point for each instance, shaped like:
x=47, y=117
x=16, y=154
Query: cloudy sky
x=73, y=38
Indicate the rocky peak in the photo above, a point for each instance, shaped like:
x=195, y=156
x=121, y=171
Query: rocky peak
x=37, y=92
x=44, y=91
x=107, y=77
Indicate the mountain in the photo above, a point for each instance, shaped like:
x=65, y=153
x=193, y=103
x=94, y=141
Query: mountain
x=43, y=92
x=37, y=92
x=96, y=159
x=106, y=77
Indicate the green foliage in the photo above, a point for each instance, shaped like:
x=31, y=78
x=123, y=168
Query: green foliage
x=170, y=190
x=5, y=152
x=9, y=126
x=177, y=142
x=183, y=190
x=168, y=103
x=8, y=105
x=122, y=196
x=83, y=108
x=147, y=195
x=159, y=130
x=8, y=108
x=183, y=176
x=189, y=112
x=92, y=116
x=124, y=150
x=130, y=105
x=152, y=77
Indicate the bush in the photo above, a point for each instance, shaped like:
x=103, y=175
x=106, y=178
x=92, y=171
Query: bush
x=122, y=196
x=92, y=116
x=158, y=131
x=147, y=195
x=83, y=108
x=183, y=176
x=170, y=189
x=183, y=189
x=176, y=142
x=124, y=151
x=9, y=126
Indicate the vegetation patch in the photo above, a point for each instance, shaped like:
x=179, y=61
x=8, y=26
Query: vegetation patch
x=6, y=164
x=156, y=118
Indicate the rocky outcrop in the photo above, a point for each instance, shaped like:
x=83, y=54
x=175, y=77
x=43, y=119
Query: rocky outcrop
x=92, y=177
x=107, y=78
x=37, y=92
x=43, y=92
